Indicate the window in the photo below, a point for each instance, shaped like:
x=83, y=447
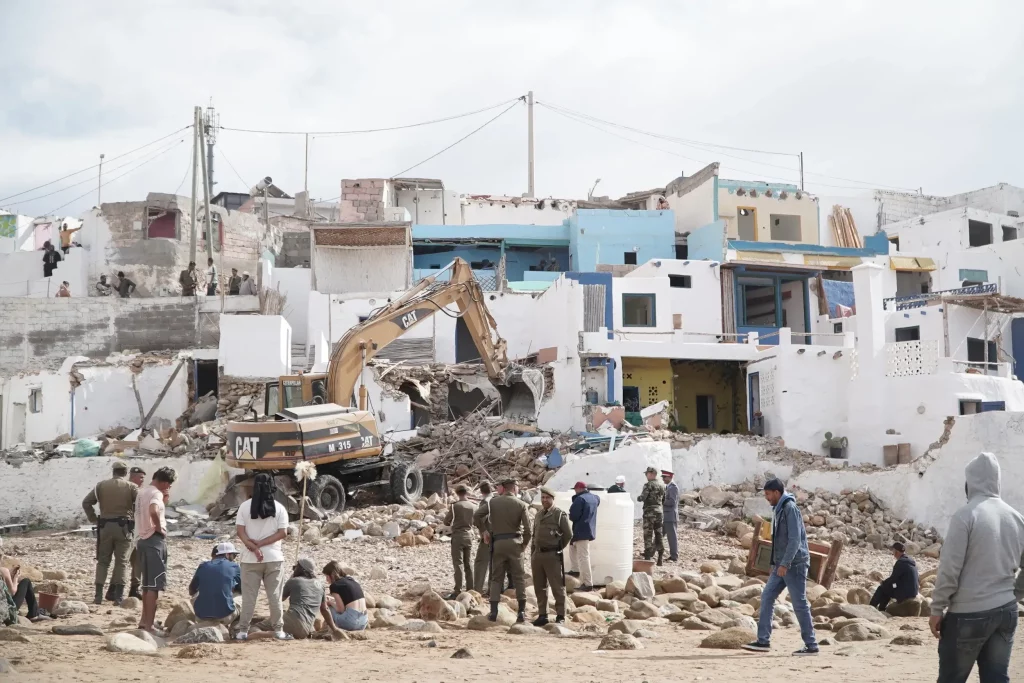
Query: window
x=638, y=310
x=895, y=241
x=837, y=328
x=292, y=393
x=705, y=412
x=970, y=407
x=272, y=404
x=746, y=223
x=161, y=223
x=905, y=334
x=629, y=258
x=682, y=251
x=758, y=304
x=35, y=400
x=682, y=281
x=976, y=352
x=1009, y=233
x=978, y=233
x=785, y=228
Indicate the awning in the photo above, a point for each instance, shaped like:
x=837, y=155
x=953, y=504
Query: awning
x=911, y=263
x=832, y=262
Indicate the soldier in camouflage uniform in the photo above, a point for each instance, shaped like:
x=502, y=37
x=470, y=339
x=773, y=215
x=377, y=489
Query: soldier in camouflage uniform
x=652, y=496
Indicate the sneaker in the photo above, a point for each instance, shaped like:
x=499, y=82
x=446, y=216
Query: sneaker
x=241, y=635
x=757, y=646
x=281, y=635
x=806, y=651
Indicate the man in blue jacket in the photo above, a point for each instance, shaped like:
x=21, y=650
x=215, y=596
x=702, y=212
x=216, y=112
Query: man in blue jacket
x=583, y=515
x=790, y=561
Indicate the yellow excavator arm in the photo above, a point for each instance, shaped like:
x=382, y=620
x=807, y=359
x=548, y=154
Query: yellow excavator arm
x=368, y=338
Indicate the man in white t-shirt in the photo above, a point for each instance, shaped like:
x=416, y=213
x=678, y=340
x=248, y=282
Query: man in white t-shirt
x=262, y=525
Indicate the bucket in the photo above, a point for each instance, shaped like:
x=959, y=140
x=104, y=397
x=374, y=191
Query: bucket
x=48, y=601
x=645, y=566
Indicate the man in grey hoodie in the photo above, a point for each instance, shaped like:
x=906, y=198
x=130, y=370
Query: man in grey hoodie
x=974, y=602
x=790, y=562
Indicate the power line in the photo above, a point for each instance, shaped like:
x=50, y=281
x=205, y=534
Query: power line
x=191, y=167
x=464, y=137
x=148, y=144
x=131, y=170
x=237, y=174
x=372, y=130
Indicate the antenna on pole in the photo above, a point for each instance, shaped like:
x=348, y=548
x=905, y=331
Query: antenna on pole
x=211, y=122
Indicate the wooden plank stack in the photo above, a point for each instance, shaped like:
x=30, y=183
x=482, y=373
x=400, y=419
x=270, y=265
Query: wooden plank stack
x=844, y=230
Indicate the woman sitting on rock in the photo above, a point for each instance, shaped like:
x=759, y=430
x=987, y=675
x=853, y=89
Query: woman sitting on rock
x=16, y=591
x=345, y=598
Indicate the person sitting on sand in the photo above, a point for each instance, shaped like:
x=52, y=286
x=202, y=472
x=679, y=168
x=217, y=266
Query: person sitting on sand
x=345, y=601
x=15, y=592
x=305, y=596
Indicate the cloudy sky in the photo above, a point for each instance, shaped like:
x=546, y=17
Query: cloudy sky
x=908, y=94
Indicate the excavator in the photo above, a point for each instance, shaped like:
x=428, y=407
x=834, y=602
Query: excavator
x=311, y=417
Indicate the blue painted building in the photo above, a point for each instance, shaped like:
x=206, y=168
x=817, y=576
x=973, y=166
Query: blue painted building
x=617, y=237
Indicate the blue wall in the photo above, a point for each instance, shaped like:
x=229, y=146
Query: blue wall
x=604, y=236
x=707, y=242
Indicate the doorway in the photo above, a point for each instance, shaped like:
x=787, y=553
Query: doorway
x=746, y=223
x=465, y=347
x=206, y=378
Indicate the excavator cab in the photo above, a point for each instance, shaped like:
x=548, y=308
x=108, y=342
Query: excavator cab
x=292, y=391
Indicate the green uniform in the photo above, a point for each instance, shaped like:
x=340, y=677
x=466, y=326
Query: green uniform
x=115, y=524
x=551, y=533
x=508, y=522
x=460, y=517
x=481, y=566
x=653, y=496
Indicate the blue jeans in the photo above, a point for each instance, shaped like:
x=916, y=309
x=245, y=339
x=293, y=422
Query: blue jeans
x=982, y=637
x=795, y=581
x=349, y=620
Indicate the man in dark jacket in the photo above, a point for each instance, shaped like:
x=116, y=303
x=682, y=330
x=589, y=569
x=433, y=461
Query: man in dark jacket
x=583, y=515
x=902, y=584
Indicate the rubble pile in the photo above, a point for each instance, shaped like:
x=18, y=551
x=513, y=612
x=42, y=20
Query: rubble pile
x=237, y=396
x=856, y=518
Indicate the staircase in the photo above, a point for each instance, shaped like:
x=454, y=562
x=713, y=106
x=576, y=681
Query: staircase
x=301, y=362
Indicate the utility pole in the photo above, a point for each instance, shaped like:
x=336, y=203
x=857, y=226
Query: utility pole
x=196, y=115
x=529, y=135
x=99, y=184
x=211, y=122
x=801, y=170
x=305, y=179
x=206, y=201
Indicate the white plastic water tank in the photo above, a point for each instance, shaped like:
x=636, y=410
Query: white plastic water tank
x=611, y=554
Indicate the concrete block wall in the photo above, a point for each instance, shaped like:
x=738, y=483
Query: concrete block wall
x=294, y=251
x=38, y=334
x=362, y=200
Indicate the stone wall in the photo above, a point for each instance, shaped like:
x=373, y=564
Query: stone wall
x=38, y=334
x=362, y=200
x=294, y=250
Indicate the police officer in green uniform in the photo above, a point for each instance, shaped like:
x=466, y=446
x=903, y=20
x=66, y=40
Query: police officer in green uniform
x=508, y=532
x=483, y=548
x=551, y=534
x=114, y=528
x=460, y=518
x=653, y=496
x=137, y=476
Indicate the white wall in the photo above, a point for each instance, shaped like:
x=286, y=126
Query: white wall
x=19, y=424
x=255, y=346
x=21, y=274
x=295, y=284
x=431, y=207
x=694, y=209
x=380, y=269
x=964, y=322
x=67, y=480
x=106, y=398
x=513, y=210
x=806, y=208
x=931, y=494
x=700, y=305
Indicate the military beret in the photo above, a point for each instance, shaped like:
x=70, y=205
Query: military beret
x=650, y=470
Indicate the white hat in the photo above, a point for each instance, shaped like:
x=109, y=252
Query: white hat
x=620, y=479
x=245, y=272
x=226, y=548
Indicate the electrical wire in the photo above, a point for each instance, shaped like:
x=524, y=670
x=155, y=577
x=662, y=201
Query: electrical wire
x=131, y=170
x=464, y=137
x=237, y=174
x=373, y=130
x=70, y=175
x=191, y=167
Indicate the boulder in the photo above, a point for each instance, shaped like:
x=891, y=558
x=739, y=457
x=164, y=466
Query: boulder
x=560, y=631
x=712, y=496
x=745, y=594
x=737, y=567
x=672, y=584
x=862, y=632
x=69, y=607
x=182, y=610
x=608, y=606
x=912, y=607
x=858, y=596
x=743, y=622
x=863, y=612
x=378, y=574
x=462, y=653
x=181, y=628
x=907, y=639
x=128, y=644
x=417, y=589
x=526, y=630
x=640, y=584
x=388, y=602
x=432, y=607
x=713, y=595
x=481, y=623
x=625, y=626
x=54, y=575
x=589, y=617
x=710, y=567
x=613, y=591
x=718, y=617
x=77, y=630
x=385, y=618
x=695, y=624
x=207, y=634
x=585, y=599
x=620, y=641
x=199, y=651
x=10, y=635
x=641, y=609
x=420, y=626
x=406, y=539
x=814, y=591
x=747, y=540
x=145, y=636
x=131, y=603
x=729, y=639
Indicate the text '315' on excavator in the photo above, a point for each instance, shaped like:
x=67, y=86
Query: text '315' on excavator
x=310, y=416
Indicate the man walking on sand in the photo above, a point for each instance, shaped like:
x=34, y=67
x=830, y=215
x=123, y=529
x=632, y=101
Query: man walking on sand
x=974, y=602
x=152, y=545
x=790, y=561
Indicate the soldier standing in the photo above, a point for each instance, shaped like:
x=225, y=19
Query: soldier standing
x=671, y=509
x=508, y=532
x=551, y=533
x=460, y=518
x=114, y=526
x=653, y=496
x=137, y=476
x=483, y=549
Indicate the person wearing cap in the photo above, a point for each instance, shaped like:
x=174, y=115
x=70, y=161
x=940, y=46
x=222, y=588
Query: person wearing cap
x=670, y=508
x=583, y=515
x=248, y=285
x=551, y=533
x=902, y=584
x=215, y=584
x=460, y=519
x=234, y=282
x=481, y=575
x=114, y=527
x=305, y=596
x=188, y=279
x=619, y=486
x=509, y=533
x=653, y=497
x=137, y=476
x=790, y=561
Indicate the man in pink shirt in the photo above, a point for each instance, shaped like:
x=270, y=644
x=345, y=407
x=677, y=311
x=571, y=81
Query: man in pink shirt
x=152, y=546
